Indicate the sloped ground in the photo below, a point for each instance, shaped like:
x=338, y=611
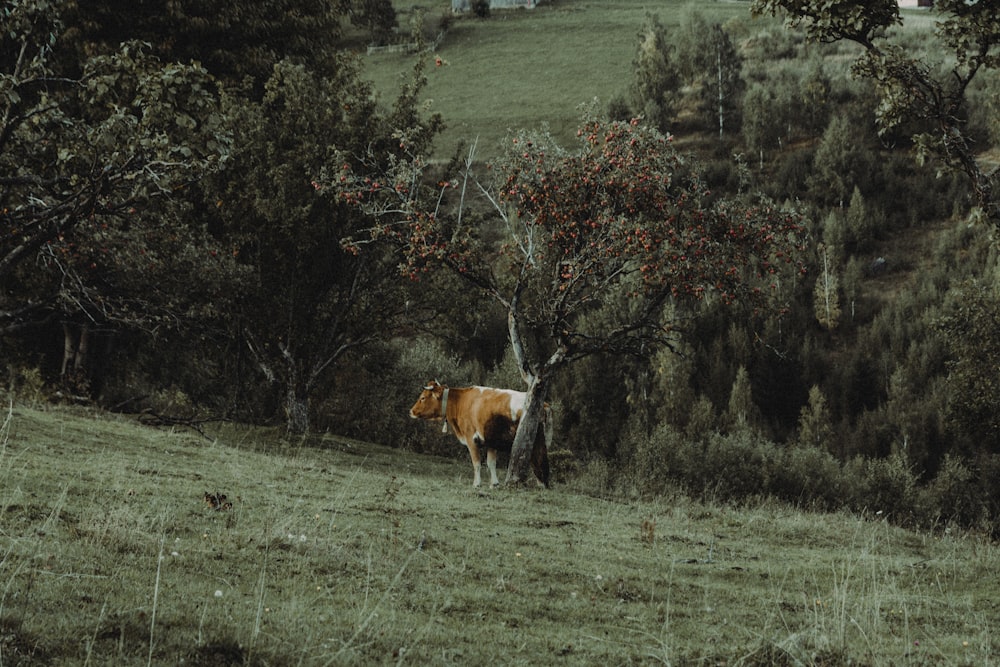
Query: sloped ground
x=340, y=552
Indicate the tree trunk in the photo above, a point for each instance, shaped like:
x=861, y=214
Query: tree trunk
x=297, y=410
x=518, y=470
x=75, y=352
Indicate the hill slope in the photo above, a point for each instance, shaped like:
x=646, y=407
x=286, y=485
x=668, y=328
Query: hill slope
x=346, y=553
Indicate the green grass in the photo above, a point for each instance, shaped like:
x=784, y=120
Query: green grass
x=522, y=68
x=341, y=552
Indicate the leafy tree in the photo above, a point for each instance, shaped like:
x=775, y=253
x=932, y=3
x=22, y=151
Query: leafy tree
x=305, y=301
x=602, y=245
x=741, y=412
x=723, y=87
x=694, y=32
x=232, y=39
x=912, y=90
x=826, y=301
x=762, y=127
x=376, y=16
x=85, y=157
x=656, y=79
x=815, y=91
x=708, y=60
x=843, y=162
x=815, y=426
x=970, y=332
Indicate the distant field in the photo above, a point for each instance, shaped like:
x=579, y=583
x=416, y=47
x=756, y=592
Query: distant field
x=521, y=68
x=346, y=553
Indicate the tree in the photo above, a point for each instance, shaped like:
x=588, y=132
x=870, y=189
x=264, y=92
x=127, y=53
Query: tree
x=84, y=154
x=232, y=39
x=723, y=87
x=603, y=246
x=304, y=301
x=376, y=16
x=815, y=427
x=708, y=60
x=741, y=412
x=656, y=79
x=843, y=162
x=912, y=90
x=970, y=332
x=826, y=294
x=762, y=126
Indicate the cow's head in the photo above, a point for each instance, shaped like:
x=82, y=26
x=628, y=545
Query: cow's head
x=428, y=406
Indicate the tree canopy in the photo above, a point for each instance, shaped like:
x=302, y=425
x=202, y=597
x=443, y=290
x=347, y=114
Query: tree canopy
x=82, y=155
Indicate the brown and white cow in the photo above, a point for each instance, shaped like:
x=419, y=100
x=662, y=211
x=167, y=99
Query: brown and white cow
x=483, y=417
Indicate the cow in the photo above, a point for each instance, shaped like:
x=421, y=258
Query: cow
x=483, y=417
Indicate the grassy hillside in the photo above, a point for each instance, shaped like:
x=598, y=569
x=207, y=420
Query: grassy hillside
x=521, y=68
x=345, y=553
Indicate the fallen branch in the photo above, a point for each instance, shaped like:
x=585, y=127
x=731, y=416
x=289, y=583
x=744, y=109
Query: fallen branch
x=149, y=418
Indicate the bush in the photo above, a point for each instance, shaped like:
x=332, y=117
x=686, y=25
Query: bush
x=889, y=489
x=481, y=8
x=744, y=466
x=652, y=460
x=809, y=477
x=953, y=496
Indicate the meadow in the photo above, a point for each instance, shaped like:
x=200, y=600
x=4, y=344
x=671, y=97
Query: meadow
x=525, y=68
x=541, y=67
x=337, y=552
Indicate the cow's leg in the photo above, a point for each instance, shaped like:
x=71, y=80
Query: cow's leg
x=491, y=463
x=476, y=462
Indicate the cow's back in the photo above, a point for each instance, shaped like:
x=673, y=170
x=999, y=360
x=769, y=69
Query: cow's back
x=492, y=414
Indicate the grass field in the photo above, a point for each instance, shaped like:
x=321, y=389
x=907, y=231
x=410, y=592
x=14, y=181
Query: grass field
x=342, y=553
x=523, y=68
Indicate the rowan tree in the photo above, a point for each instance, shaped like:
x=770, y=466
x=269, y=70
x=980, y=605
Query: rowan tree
x=601, y=247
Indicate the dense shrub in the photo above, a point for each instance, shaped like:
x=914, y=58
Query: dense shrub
x=952, y=496
x=889, y=488
x=809, y=477
x=744, y=466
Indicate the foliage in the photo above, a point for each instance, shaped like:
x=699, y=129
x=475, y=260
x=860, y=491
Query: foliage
x=722, y=80
x=827, y=294
x=912, y=90
x=970, y=330
x=844, y=160
x=304, y=302
x=601, y=243
x=656, y=78
x=83, y=158
x=231, y=39
x=815, y=429
x=377, y=16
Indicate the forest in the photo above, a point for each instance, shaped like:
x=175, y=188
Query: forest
x=766, y=267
